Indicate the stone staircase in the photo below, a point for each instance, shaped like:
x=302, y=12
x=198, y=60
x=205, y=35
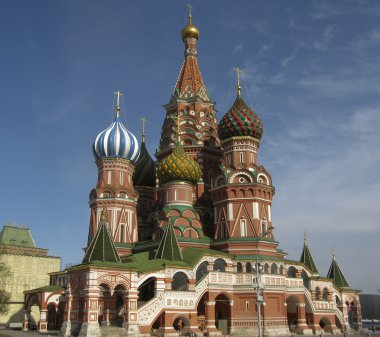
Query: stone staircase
x=113, y=331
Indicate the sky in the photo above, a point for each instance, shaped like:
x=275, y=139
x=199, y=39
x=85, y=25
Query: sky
x=311, y=72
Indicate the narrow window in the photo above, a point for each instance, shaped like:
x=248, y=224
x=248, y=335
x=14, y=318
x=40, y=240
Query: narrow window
x=243, y=227
x=122, y=233
x=109, y=177
x=121, y=178
x=241, y=157
x=246, y=305
x=223, y=230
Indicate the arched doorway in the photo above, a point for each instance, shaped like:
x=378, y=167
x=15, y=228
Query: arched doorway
x=52, y=316
x=103, y=304
x=325, y=324
x=181, y=324
x=119, y=294
x=201, y=312
x=292, y=312
x=223, y=314
x=220, y=265
x=180, y=282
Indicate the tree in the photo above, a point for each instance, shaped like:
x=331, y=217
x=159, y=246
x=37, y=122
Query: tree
x=5, y=296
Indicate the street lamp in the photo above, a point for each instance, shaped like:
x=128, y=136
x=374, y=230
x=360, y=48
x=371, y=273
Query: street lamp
x=259, y=286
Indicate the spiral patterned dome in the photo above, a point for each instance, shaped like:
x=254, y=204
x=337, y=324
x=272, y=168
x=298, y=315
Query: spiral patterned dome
x=240, y=120
x=145, y=170
x=116, y=141
x=178, y=166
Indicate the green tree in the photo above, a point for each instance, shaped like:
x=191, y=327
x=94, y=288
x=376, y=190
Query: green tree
x=5, y=296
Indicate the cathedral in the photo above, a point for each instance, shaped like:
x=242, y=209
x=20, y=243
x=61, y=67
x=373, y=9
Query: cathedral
x=184, y=244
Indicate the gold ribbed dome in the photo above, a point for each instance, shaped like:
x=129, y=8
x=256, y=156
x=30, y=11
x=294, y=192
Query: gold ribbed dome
x=190, y=30
x=178, y=166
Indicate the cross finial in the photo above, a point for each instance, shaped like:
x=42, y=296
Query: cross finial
x=305, y=236
x=333, y=253
x=143, y=121
x=190, y=7
x=238, y=72
x=118, y=95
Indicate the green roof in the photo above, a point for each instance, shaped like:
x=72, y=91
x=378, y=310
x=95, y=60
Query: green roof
x=16, y=236
x=101, y=247
x=336, y=275
x=307, y=260
x=168, y=248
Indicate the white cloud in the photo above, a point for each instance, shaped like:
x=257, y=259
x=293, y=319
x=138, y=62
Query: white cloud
x=238, y=48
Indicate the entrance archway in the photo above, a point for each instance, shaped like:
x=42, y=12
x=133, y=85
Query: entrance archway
x=103, y=303
x=292, y=312
x=181, y=324
x=325, y=324
x=223, y=314
x=119, y=294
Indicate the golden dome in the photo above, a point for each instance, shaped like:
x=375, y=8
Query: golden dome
x=190, y=30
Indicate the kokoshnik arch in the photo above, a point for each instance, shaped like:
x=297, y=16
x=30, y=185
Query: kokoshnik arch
x=172, y=243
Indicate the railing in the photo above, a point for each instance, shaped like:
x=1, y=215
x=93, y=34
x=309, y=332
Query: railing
x=148, y=312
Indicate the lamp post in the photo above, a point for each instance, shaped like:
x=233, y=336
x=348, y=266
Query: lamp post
x=259, y=286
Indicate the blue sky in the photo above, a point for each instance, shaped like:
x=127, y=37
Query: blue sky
x=311, y=73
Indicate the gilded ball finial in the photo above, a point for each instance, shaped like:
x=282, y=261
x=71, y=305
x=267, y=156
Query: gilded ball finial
x=190, y=30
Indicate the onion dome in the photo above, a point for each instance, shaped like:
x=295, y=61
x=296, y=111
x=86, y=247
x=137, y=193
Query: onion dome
x=178, y=166
x=145, y=169
x=240, y=120
x=190, y=30
x=116, y=140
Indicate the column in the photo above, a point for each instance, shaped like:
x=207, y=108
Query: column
x=42, y=323
x=210, y=327
x=132, y=325
x=90, y=326
x=26, y=323
x=302, y=327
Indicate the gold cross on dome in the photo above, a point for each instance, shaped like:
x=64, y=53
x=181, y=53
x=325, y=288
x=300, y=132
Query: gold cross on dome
x=238, y=72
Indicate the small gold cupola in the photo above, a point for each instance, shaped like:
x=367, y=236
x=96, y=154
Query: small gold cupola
x=190, y=30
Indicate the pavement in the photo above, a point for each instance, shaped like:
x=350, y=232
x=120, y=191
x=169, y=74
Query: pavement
x=19, y=333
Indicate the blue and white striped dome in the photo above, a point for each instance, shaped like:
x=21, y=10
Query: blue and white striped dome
x=116, y=141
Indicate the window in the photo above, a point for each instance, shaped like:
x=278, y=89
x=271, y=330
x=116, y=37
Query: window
x=317, y=294
x=266, y=268
x=109, y=177
x=273, y=269
x=292, y=272
x=223, y=230
x=239, y=267
x=180, y=282
x=325, y=295
x=241, y=157
x=219, y=265
x=248, y=267
x=122, y=233
x=243, y=227
x=121, y=178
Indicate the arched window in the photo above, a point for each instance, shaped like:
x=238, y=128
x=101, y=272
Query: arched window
x=266, y=268
x=305, y=279
x=239, y=267
x=248, y=267
x=273, y=269
x=219, y=265
x=292, y=272
x=201, y=271
x=180, y=282
x=317, y=294
x=325, y=295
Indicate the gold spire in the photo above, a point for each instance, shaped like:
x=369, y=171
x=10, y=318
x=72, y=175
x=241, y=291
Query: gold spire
x=190, y=30
x=118, y=94
x=238, y=72
x=143, y=121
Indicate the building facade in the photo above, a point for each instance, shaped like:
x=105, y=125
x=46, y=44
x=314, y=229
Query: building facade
x=29, y=267
x=186, y=243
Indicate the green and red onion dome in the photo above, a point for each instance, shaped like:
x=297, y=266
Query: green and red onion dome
x=240, y=120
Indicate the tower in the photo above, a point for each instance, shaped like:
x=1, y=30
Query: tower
x=114, y=199
x=243, y=190
x=198, y=125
